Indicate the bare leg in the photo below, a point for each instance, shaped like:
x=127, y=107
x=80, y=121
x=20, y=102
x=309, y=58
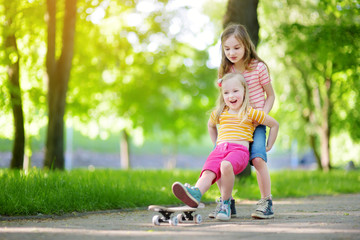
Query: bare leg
x=205, y=181
x=219, y=184
x=227, y=179
x=263, y=176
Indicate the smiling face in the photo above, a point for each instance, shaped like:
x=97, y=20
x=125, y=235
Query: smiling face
x=233, y=93
x=233, y=49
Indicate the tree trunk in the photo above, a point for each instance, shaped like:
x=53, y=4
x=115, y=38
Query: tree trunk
x=124, y=150
x=244, y=12
x=28, y=153
x=314, y=148
x=13, y=71
x=325, y=149
x=58, y=78
x=325, y=126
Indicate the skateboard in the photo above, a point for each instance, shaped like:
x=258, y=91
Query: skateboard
x=168, y=217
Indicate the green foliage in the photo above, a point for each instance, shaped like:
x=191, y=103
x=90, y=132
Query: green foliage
x=341, y=66
x=29, y=28
x=138, y=77
x=59, y=192
x=313, y=46
x=129, y=72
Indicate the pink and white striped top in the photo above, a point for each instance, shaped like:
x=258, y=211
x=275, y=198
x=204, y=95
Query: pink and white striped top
x=256, y=78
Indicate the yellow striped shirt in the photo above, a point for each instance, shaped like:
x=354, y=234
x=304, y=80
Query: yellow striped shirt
x=230, y=128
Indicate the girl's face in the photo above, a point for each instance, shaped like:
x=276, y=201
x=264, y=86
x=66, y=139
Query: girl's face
x=234, y=50
x=233, y=94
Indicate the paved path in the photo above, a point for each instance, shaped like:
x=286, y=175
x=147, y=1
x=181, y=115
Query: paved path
x=330, y=217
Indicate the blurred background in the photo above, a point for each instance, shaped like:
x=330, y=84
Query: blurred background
x=130, y=83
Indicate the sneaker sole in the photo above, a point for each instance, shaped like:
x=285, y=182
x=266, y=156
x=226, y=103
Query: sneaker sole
x=213, y=216
x=258, y=216
x=180, y=192
x=222, y=218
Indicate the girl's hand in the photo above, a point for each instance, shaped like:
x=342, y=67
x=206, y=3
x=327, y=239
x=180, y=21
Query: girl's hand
x=274, y=128
x=255, y=124
x=268, y=148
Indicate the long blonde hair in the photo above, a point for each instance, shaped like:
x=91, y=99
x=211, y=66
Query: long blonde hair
x=240, y=33
x=220, y=107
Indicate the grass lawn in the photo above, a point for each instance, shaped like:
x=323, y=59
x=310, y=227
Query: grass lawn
x=59, y=192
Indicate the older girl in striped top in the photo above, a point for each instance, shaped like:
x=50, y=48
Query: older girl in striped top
x=239, y=55
x=234, y=117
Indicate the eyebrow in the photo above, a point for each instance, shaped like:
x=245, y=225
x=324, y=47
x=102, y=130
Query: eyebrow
x=237, y=45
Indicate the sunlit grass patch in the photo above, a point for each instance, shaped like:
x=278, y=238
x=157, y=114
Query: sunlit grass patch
x=59, y=192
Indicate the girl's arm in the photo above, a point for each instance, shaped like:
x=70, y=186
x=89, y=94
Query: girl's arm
x=270, y=97
x=212, y=131
x=274, y=128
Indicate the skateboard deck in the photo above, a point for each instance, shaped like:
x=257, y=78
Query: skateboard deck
x=167, y=215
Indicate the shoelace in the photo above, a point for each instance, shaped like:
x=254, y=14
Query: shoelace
x=217, y=209
x=224, y=208
x=262, y=207
x=261, y=201
x=187, y=185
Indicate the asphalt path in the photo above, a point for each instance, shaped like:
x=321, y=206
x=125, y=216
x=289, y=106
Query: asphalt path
x=316, y=217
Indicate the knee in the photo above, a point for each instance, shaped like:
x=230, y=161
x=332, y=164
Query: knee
x=209, y=174
x=226, y=167
x=258, y=163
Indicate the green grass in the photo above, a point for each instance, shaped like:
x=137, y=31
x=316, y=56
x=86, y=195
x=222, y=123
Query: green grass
x=57, y=192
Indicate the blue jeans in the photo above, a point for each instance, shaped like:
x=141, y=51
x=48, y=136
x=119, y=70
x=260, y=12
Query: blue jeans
x=258, y=146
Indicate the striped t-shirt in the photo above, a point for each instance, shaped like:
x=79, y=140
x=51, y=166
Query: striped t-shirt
x=256, y=78
x=230, y=128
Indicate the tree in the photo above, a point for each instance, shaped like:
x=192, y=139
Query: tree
x=322, y=63
x=140, y=77
x=318, y=87
x=58, y=73
x=13, y=70
x=244, y=12
x=27, y=30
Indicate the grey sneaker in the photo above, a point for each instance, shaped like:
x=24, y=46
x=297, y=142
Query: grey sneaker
x=213, y=214
x=232, y=208
x=224, y=213
x=189, y=195
x=264, y=209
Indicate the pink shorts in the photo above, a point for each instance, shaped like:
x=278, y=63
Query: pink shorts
x=236, y=154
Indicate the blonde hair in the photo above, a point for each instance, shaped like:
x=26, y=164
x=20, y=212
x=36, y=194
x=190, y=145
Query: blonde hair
x=242, y=115
x=240, y=33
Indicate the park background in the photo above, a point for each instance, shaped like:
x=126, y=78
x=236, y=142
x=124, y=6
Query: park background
x=129, y=84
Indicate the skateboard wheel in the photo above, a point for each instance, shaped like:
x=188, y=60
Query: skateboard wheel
x=198, y=218
x=180, y=218
x=155, y=220
x=174, y=221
